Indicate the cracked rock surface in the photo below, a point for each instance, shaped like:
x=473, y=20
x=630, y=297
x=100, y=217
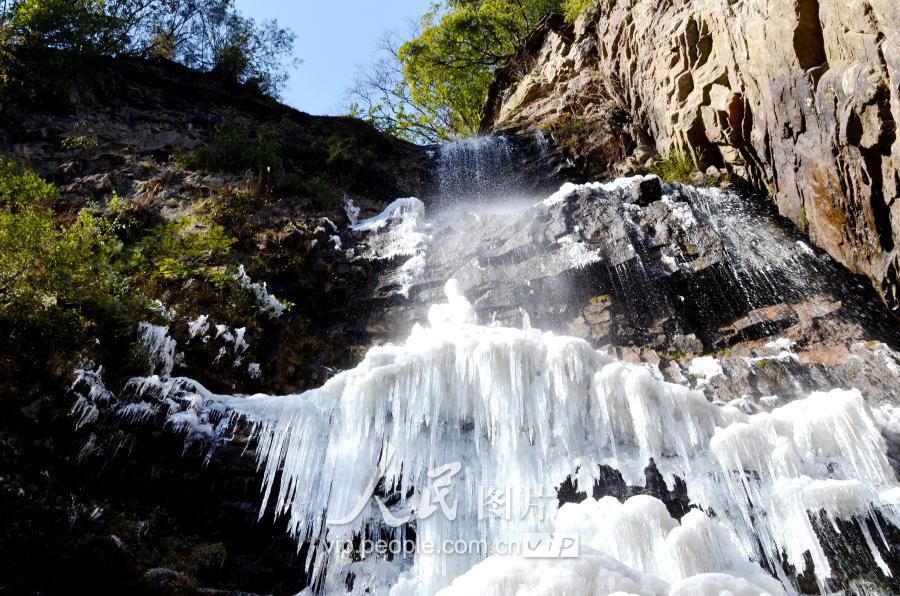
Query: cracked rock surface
x=801, y=99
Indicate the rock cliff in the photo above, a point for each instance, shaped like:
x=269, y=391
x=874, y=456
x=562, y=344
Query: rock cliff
x=800, y=99
x=123, y=507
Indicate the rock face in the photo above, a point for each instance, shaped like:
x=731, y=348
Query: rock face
x=660, y=274
x=699, y=285
x=122, y=507
x=801, y=99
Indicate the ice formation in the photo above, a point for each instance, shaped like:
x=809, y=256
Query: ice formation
x=398, y=231
x=234, y=342
x=351, y=210
x=198, y=327
x=419, y=433
x=633, y=547
x=159, y=347
x=704, y=369
x=266, y=302
x=253, y=370
x=527, y=409
x=92, y=394
x=627, y=187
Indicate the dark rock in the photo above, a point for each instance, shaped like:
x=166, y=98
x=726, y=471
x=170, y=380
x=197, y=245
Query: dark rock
x=649, y=190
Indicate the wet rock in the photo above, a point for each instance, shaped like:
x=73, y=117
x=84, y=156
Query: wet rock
x=798, y=99
x=649, y=190
x=166, y=581
x=660, y=275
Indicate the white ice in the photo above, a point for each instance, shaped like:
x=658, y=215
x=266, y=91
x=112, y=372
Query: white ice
x=704, y=369
x=526, y=409
x=398, y=231
x=627, y=187
x=159, y=347
x=521, y=408
x=266, y=302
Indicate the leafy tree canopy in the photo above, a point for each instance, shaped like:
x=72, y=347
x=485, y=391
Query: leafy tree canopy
x=208, y=35
x=433, y=86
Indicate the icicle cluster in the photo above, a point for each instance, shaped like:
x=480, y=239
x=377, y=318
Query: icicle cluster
x=497, y=407
x=159, y=347
x=522, y=408
x=398, y=231
x=266, y=302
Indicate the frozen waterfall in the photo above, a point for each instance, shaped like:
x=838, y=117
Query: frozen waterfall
x=516, y=412
x=435, y=464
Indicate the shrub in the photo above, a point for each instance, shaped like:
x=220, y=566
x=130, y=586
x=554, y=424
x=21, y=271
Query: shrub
x=22, y=189
x=50, y=270
x=180, y=250
x=237, y=148
x=434, y=86
x=208, y=35
x=230, y=207
x=568, y=131
x=676, y=167
x=78, y=25
x=573, y=8
x=82, y=140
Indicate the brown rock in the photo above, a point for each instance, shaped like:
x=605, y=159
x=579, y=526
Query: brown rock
x=800, y=99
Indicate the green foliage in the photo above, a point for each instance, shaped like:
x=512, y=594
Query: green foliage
x=22, y=189
x=237, y=147
x=574, y=8
x=82, y=140
x=71, y=290
x=677, y=166
x=50, y=271
x=251, y=53
x=78, y=25
x=434, y=86
x=230, y=208
x=7, y=59
x=209, y=35
x=179, y=250
x=673, y=355
x=568, y=130
x=804, y=220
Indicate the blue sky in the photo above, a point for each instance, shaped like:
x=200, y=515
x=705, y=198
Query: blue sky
x=333, y=39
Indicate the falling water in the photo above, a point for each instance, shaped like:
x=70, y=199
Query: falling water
x=476, y=169
x=458, y=439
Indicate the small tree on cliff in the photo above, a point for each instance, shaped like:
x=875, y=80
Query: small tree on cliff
x=434, y=85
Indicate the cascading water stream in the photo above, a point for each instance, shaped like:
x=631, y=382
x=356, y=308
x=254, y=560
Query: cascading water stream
x=475, y=169
x=451, y=445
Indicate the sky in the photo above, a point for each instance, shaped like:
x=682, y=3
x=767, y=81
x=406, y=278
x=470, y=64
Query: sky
x=334, y=39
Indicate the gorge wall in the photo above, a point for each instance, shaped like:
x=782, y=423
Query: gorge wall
x=799, y=98
x=162, y=517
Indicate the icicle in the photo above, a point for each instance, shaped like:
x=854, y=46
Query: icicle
x=266, y=302
x=159, y=347
x=463, y=407
x=520, y=408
